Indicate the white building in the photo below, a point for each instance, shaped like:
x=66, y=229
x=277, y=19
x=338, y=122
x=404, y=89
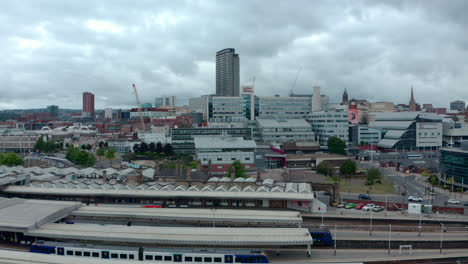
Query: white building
x=283, y=130
x=122, y=145
x=221, y=152
x=155, y=138
x=152, y=113
x=226, y=109
x=454, y=132
x=108, y=113
x=330, y=124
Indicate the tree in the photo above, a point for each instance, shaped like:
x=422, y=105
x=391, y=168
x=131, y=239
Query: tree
x=348, y=167
x=80, y=157
x=89, y=147
x=144, y=147
x=152, y=147
x=336, y=145
x=373, y=174
x=110, y=153
x=239, y=169
x=324, y=168
x=168, y=149
x=11, y=159
x=136, y=148
x=159, y=147
x=40, y=144
x=100, y=152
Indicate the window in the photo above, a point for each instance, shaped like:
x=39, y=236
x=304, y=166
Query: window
x=233, y=158
x=148, y=257
x=87, y=254
x=69, y=253
x=131, y=256
x=167, y=258
x=198, y=259
x=247, y=158
x=208, y=260
x=95, y=254
x=217, y=260
x=114, y=255
x=238, y=260
x=188, y=259
x=220, y=159
x=123, y=256
x=157, y=257
x=78, y=253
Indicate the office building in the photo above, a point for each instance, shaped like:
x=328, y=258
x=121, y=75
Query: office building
x=88, y=105
x=108, y=113
x=151, y=113
x=454, y=132
x=283, y=107
x=167, y=101
x=330, y=124
x=182, y=138
x=454, y=165
x=220, y=152
x=284, y=130
x=53, y=110
x=226, y=109
x=364, y=135
x=458, y=105
x=406, y=131
x=227, y=73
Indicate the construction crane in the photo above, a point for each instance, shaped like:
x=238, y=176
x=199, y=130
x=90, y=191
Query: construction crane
x=142, y=122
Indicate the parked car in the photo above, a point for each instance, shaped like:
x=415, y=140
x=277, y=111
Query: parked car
x=359, y=206
x=350, y=205
x=364, y=197
x=368, y=207
x=341, y=205
x=465, y=204
x=378, y=208
x=453, y=201
x=414, y=198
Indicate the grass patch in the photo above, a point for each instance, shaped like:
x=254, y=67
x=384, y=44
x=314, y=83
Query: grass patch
x=358, y=185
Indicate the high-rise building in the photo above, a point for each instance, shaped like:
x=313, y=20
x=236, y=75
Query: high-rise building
x=108, y=113
x=458, y=105
x=316, y=104
x=165, y=101
x=88, y=105
x=53, y=110
x=227, y=73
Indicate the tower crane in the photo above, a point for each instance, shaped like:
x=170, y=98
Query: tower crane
x=142, y=122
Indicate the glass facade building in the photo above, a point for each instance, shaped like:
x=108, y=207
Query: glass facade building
x=454, y=166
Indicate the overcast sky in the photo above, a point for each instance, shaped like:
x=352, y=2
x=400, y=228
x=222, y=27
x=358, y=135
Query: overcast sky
x=52, y=51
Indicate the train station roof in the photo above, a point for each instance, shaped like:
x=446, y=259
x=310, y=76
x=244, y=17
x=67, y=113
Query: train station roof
x=186, y=214
x=19, y=215
x=193, y=236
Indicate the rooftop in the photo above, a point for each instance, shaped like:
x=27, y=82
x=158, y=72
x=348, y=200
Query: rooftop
x=284, y=123
x=19, y=215
x=195, y=236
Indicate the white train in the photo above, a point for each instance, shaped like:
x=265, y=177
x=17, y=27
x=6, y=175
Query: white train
x=153, y=255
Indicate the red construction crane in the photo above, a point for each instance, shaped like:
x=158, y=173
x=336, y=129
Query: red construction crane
x=139, y=109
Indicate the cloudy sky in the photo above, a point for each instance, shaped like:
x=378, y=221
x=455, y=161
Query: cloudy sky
x=52, y=51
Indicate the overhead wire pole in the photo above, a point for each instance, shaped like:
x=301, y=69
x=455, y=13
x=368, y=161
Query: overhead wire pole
x=142, y=122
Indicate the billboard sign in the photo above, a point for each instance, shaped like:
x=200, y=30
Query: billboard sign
x=353, y=115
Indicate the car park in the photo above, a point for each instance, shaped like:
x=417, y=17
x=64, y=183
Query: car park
x=368, y=207
x=364, y=197
x=350, y=205
x=414, y=198
x=359, y=206
x=453, y=201
x=378, y=208
x=341, y=205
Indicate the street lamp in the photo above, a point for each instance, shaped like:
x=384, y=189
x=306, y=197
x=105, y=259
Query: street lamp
x=370, y=234
x=441, y=236
x=389, y=237
x=213, y=213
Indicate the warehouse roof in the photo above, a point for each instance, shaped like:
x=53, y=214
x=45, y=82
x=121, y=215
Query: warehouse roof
x=195, y=236
x=19, y=215
x=218, y=215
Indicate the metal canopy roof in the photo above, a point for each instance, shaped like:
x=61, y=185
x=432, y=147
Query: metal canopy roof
x=197, y=236
x=18, y=215
x=221, y=215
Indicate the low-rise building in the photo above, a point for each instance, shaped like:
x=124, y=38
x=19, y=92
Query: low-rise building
x=122, y=145
x=330, y=124
x=218, y=153
x=454, y=166
x=364, y=135
x=454, y=132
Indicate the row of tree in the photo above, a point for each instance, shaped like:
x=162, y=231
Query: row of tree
x=154, y=148
x=10, y=159
x=348, y=168
x=80, y=157
x=47, y=146
x=109, y=153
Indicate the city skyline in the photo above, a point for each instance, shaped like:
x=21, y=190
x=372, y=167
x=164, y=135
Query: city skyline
x=55, y=54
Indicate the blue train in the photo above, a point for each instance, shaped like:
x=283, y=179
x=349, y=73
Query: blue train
x=322, y=237
x=150, y=254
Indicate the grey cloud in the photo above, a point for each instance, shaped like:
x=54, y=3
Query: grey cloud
x=375, y=49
